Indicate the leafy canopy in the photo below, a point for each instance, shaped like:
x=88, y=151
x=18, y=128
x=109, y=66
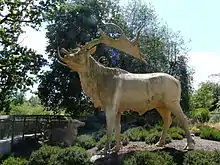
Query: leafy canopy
x=18, y=64
x=77, y=22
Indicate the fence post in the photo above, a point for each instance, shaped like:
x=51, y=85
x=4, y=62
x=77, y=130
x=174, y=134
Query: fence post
x=36, y=127
x=23, y=127
x=12, y=132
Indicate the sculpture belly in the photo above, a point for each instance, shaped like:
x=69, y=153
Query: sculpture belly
x=137, y=95
x=134, y=99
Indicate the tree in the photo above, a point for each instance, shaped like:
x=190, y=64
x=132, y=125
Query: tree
x=71, y=23
x=18, y=64
x=165, y=50
x=78, y=21
x=207, y=96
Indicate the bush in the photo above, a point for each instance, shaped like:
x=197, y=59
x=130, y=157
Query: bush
x=149, y=158
x=215, y=116
x=154, y=137
x=14, y=161
x=28, y=109
x=102, y=141
x=176, y=133
x=194, y=129
x=43, y=155
x=48, y=155
x=201, y=157
x=209, y=133
x=86, y=141
x=136, y=134
x=201, y=115
x=99, y=134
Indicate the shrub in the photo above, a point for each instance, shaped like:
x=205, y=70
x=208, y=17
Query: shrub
x=99, y=134
x=101, y=142
x=86, y=141
x=148, y=158
x=28, y=109
x=48, y=155
x=215, y=116
x=70, y=156
x=201, y=157
x=201, y=115
x=43, y=155
x=136, y=134
x=14, y=161
x=176, y=133
x=154, y=137
x=209, y=133
x=194, y=129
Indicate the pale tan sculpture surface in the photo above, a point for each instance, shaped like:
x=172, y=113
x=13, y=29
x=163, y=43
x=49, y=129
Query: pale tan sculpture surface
x=116, y=90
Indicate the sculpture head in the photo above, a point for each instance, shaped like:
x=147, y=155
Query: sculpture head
x=76, y=59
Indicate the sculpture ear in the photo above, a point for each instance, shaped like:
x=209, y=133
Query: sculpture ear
x=92, y=51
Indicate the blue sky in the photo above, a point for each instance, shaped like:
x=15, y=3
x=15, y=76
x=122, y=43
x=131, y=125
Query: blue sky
x=196, y=20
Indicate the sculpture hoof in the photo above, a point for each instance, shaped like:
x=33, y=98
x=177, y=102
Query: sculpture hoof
x=160, y=144
x=116, y=149
x=189, y=147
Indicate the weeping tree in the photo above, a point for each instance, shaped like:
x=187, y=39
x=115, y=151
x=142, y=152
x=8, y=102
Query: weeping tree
x=77, y=22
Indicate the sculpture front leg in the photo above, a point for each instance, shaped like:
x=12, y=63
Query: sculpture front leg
x=110, y=118
x=117, y=133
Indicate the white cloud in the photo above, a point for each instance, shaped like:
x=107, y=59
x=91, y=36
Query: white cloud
x=204, y=64
x=35, y=40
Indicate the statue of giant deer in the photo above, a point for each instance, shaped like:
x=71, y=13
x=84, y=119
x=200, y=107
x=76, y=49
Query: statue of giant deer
x=116, y=90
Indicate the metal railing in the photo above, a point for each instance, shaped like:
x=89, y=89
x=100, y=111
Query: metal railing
x=21, y=125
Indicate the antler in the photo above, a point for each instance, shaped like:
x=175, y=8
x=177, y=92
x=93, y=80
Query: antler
x=123, y=43
x=60, y=58
x=69, y=52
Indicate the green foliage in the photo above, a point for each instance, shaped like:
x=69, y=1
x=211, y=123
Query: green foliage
x=161, y=46
x=136, y=134
x=101, y=142
x=72, y=23
x=18, y=64
x=86, y=141
x=149, y=158
x=43, y=155
x=77, y=22
x=48, y=155
x=209, y=133
x=14, y=161
x=176, y=133
x=215, y=116
x=153, y=138
x=207, y=96
x=201, y=157
x=201, y=114
x=27, y=109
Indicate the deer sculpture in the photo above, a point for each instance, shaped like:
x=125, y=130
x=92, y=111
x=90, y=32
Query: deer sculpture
x=115, y=90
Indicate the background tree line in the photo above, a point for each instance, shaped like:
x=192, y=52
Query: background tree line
x=77, y=21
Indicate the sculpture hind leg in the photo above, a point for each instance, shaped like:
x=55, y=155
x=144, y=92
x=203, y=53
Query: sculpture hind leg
x=176, y=109
x=167, y=121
